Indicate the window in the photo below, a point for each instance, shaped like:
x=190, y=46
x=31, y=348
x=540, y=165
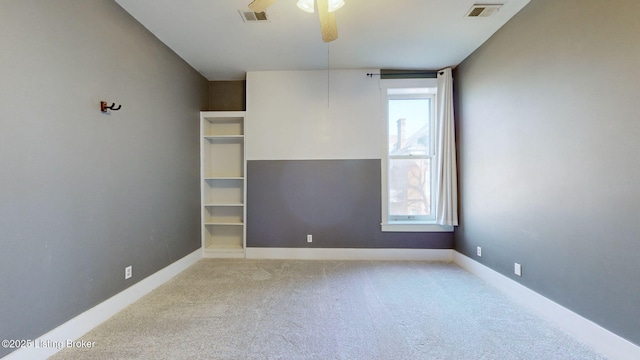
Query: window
x=409, y=155
x=409, y=152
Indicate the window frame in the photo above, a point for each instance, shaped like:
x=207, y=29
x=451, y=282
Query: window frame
x=425, y=88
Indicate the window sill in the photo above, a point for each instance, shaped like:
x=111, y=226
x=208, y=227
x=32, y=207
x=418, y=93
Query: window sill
x=405, y=226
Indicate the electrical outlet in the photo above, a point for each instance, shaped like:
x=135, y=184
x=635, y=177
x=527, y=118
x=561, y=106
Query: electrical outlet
x=517, y=269
x=128, y=272
x=479, y=251
x=309, y=238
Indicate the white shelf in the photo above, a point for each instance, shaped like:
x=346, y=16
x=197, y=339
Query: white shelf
x=217, y=137
x=224, y=178
x=223, y=191
x=224, y=204
x=222, y=252
x=217, y=248
x=224, y=224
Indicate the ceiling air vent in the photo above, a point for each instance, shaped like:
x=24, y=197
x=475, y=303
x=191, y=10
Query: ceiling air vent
x=483, y=10
x=253, y=17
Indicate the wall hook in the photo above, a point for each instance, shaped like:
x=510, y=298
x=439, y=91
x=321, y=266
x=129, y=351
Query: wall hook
x=104, y=107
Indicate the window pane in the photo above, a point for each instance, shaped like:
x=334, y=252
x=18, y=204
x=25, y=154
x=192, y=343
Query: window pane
x=409, y=187
x=409, y=126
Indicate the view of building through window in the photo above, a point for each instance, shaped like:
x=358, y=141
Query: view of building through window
x=409, y=157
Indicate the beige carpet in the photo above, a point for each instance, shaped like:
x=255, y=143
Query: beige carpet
x=249, y=309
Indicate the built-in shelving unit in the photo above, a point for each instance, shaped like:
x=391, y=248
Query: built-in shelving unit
x=223, y=169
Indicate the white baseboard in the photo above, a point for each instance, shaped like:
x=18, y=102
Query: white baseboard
x=590, y=333
x=349, y=254
x=56, y=339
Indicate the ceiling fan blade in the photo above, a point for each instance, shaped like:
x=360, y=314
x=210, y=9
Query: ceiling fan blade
x=259, y=6
x=327, y=21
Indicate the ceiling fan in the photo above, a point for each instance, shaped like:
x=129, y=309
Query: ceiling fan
x=326, y=13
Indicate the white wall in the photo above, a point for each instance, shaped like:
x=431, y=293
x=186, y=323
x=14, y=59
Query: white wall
x=308, y=115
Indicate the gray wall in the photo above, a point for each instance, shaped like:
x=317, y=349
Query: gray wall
x=227, y=95
x=549, y=159
x=336, y=201
x=84, y=194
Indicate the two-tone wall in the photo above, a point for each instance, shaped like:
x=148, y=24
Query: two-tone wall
x=549, y=158
x=314, y=145
x=84, y=194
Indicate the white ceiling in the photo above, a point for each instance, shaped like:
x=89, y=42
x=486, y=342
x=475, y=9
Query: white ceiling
x=391, y=34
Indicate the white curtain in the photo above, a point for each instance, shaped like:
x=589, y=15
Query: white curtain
x=446, y=174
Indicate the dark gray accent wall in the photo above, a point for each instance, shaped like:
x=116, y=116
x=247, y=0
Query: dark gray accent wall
x=227, y=95
x=336, y=201
x=549, y=158
x=84, y=194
